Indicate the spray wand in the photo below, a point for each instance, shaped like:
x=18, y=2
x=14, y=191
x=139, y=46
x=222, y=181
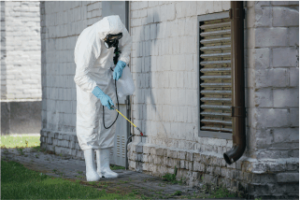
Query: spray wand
x=141, y=133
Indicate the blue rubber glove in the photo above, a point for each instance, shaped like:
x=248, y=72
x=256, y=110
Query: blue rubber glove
x=105, y=99
x=118, y=70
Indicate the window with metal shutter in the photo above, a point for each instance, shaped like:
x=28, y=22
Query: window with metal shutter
x=215, y=75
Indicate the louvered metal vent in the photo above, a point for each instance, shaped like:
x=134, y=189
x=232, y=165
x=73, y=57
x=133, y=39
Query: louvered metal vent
x=215, y=76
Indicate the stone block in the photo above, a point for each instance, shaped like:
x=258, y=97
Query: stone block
x=182, y=164
x=198, y=166
x=293, y=39
x=280, y=77
x=158, y=160
x=139, y=148
x=287, y=177
x=170, y=11
x=293, y=165
x=63, y=143
x=180, y=9
x=262, y=58
x=73, y=152
x=276, y=166
x=204, y=7
x=55, y=141
x=263, y=16
x=191, y=8
x=50, y=135
x=140, y=158
x=136, y=22
x=264, y=97
x=49, y=140
x=285, y=16
x=271, y=37
x=294, y=77
x=262, y=78
x=50, y=148
x=285, y=57
x=171, y=153
x=77, y=147
x=190, y=156
x=288, y=97
x=293, y=117
x=292, y=190
x=269, y=117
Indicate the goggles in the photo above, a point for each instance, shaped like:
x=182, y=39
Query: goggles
x=112, y=40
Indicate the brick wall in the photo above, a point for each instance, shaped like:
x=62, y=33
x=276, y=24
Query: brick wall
x=20, y=51
x=165, y=102
x=275, y=89
x=62, y=22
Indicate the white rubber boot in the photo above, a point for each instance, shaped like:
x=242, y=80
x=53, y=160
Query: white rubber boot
x=103, y=168
x=91, y=173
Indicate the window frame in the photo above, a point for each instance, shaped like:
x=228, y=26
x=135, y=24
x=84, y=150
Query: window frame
x=201, y=133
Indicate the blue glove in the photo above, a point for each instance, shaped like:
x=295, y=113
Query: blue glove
x=105, y=99
x=118, y=70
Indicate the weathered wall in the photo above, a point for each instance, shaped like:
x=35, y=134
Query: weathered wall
x=20, y=50
x=61, y=23
x=20, y=67
x=165, y=102
x=274, y=88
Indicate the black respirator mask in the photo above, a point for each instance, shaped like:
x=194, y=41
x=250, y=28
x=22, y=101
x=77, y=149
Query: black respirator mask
x=112, y=40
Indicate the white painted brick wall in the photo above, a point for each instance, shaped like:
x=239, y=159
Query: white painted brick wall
x=271, y=50
x=20, y=51
x=62, y=22
x=164, y=33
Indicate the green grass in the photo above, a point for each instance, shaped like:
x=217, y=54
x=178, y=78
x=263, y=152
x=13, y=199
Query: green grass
x=220, y=192
x=19, y=141
x=172, y=177
x=116, y=167
x=17, y=182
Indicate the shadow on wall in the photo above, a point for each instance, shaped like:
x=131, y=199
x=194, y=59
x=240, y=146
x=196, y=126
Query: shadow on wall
x=3, y=52
x=145, y=90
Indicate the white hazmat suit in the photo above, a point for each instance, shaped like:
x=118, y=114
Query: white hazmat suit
x=93, y=62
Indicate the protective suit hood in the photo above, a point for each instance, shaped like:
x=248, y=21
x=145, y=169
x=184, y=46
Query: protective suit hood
x=109, y=25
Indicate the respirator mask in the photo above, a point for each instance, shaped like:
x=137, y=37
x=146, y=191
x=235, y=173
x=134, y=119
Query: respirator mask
x=112, y=40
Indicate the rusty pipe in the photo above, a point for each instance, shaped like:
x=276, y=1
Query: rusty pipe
x=237, y=14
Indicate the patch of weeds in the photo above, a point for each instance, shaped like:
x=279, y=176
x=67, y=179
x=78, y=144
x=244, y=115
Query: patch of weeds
x=60, y=155
x=145, y=180
x=37, y=155
x=116, y=167
x=81, y=176
x=94, y=183
x=171, y=177
x=20, y=150
x=218, y=191
x=77, y=181
x=161, y=185
x=123, y=181
x=36, y=149
x=135, y=192
x=258, y=198
x=54, y=170
x=79, y=172
x=178, y=193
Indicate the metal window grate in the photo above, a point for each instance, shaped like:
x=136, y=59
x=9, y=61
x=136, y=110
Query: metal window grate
x=215, y=75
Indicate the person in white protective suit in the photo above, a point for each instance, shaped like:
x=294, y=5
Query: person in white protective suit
x=95, y=86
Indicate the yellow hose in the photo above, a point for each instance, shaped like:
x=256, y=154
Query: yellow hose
x=126, y=118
